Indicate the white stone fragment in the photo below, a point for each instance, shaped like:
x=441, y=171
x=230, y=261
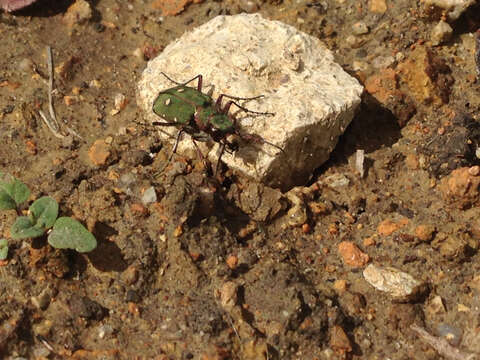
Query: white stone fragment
x=360, y=162
x=313, y=99
x=149, y=196
x=441, y=33
x=336, y=181
x=399, y=285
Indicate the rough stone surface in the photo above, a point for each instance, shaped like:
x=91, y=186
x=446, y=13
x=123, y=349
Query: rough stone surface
x=400, y=285
x=245, y=55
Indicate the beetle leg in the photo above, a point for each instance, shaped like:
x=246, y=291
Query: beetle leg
x=155, y=123
x=174, y=150
x=199, y=77
x=158, y=123
x=222, y=150
x=218, y=103
x=177, y=140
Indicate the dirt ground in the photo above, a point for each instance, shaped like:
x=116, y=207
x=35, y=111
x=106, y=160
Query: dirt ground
x=224, y=268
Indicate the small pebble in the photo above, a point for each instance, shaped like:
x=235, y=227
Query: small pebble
x=359, y=162
x=425, y=232
x=369, y=241
x=232, y=261
x=69, y=100
x=441, y=33
x=381, y=62
x=149, y=196
x=474, y=170
x=133, y=309
x=132, y=296
x=40, y=352
x=43, y=328
x=138, y=52
x=26, y=65
x=99, y=152
x=306, y=228
x=339, y=341
x=353, y=41
x=43, y=299
x=130, y=275
x=360, y=28
x=336, y=181
x=340, y=286
x=78, y=13
x=104, y=330
x=475, y=283
x=388, y=227
x=120, y=101
x=435, y=306
x=228, y=295
x=352, y=255
x=398, y=284
x=248, y=6
x=378, y=6
x=450, y=333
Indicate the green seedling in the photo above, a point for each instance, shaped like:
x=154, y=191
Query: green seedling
x=202, y=117
x=3, y=249
x=12, y=192
x=68, y=233
x=42, y=215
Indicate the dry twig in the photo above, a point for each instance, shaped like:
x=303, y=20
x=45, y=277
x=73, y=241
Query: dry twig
x=442, y=346
x=51, y=122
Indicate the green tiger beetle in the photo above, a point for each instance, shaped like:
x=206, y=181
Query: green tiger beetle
x=197, y=114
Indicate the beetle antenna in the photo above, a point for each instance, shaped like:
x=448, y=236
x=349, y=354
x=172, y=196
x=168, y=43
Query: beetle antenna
x=199, y=77
x=231, y=102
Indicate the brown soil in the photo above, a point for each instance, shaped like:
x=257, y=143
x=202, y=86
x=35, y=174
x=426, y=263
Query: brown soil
x=226, y=268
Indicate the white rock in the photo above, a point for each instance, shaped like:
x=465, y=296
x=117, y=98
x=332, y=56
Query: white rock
x=454, y=8
x=245, y=55
x=336, y=181
x=228, y=295
x=441, y=33
x=435, y=306
x=360, y=162
x=149, y=196
x=400, y=285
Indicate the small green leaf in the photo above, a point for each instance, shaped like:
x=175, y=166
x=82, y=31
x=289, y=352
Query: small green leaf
x=68, y=233
x=23, y=228
x=44, y=212
x=3, y=249
x=11, y=187
x=6, y=201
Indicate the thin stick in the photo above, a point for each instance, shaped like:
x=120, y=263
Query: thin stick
x=230, y=320
x=442, y=346
x=50, y=85
x=50, y=125
x=51, y=122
